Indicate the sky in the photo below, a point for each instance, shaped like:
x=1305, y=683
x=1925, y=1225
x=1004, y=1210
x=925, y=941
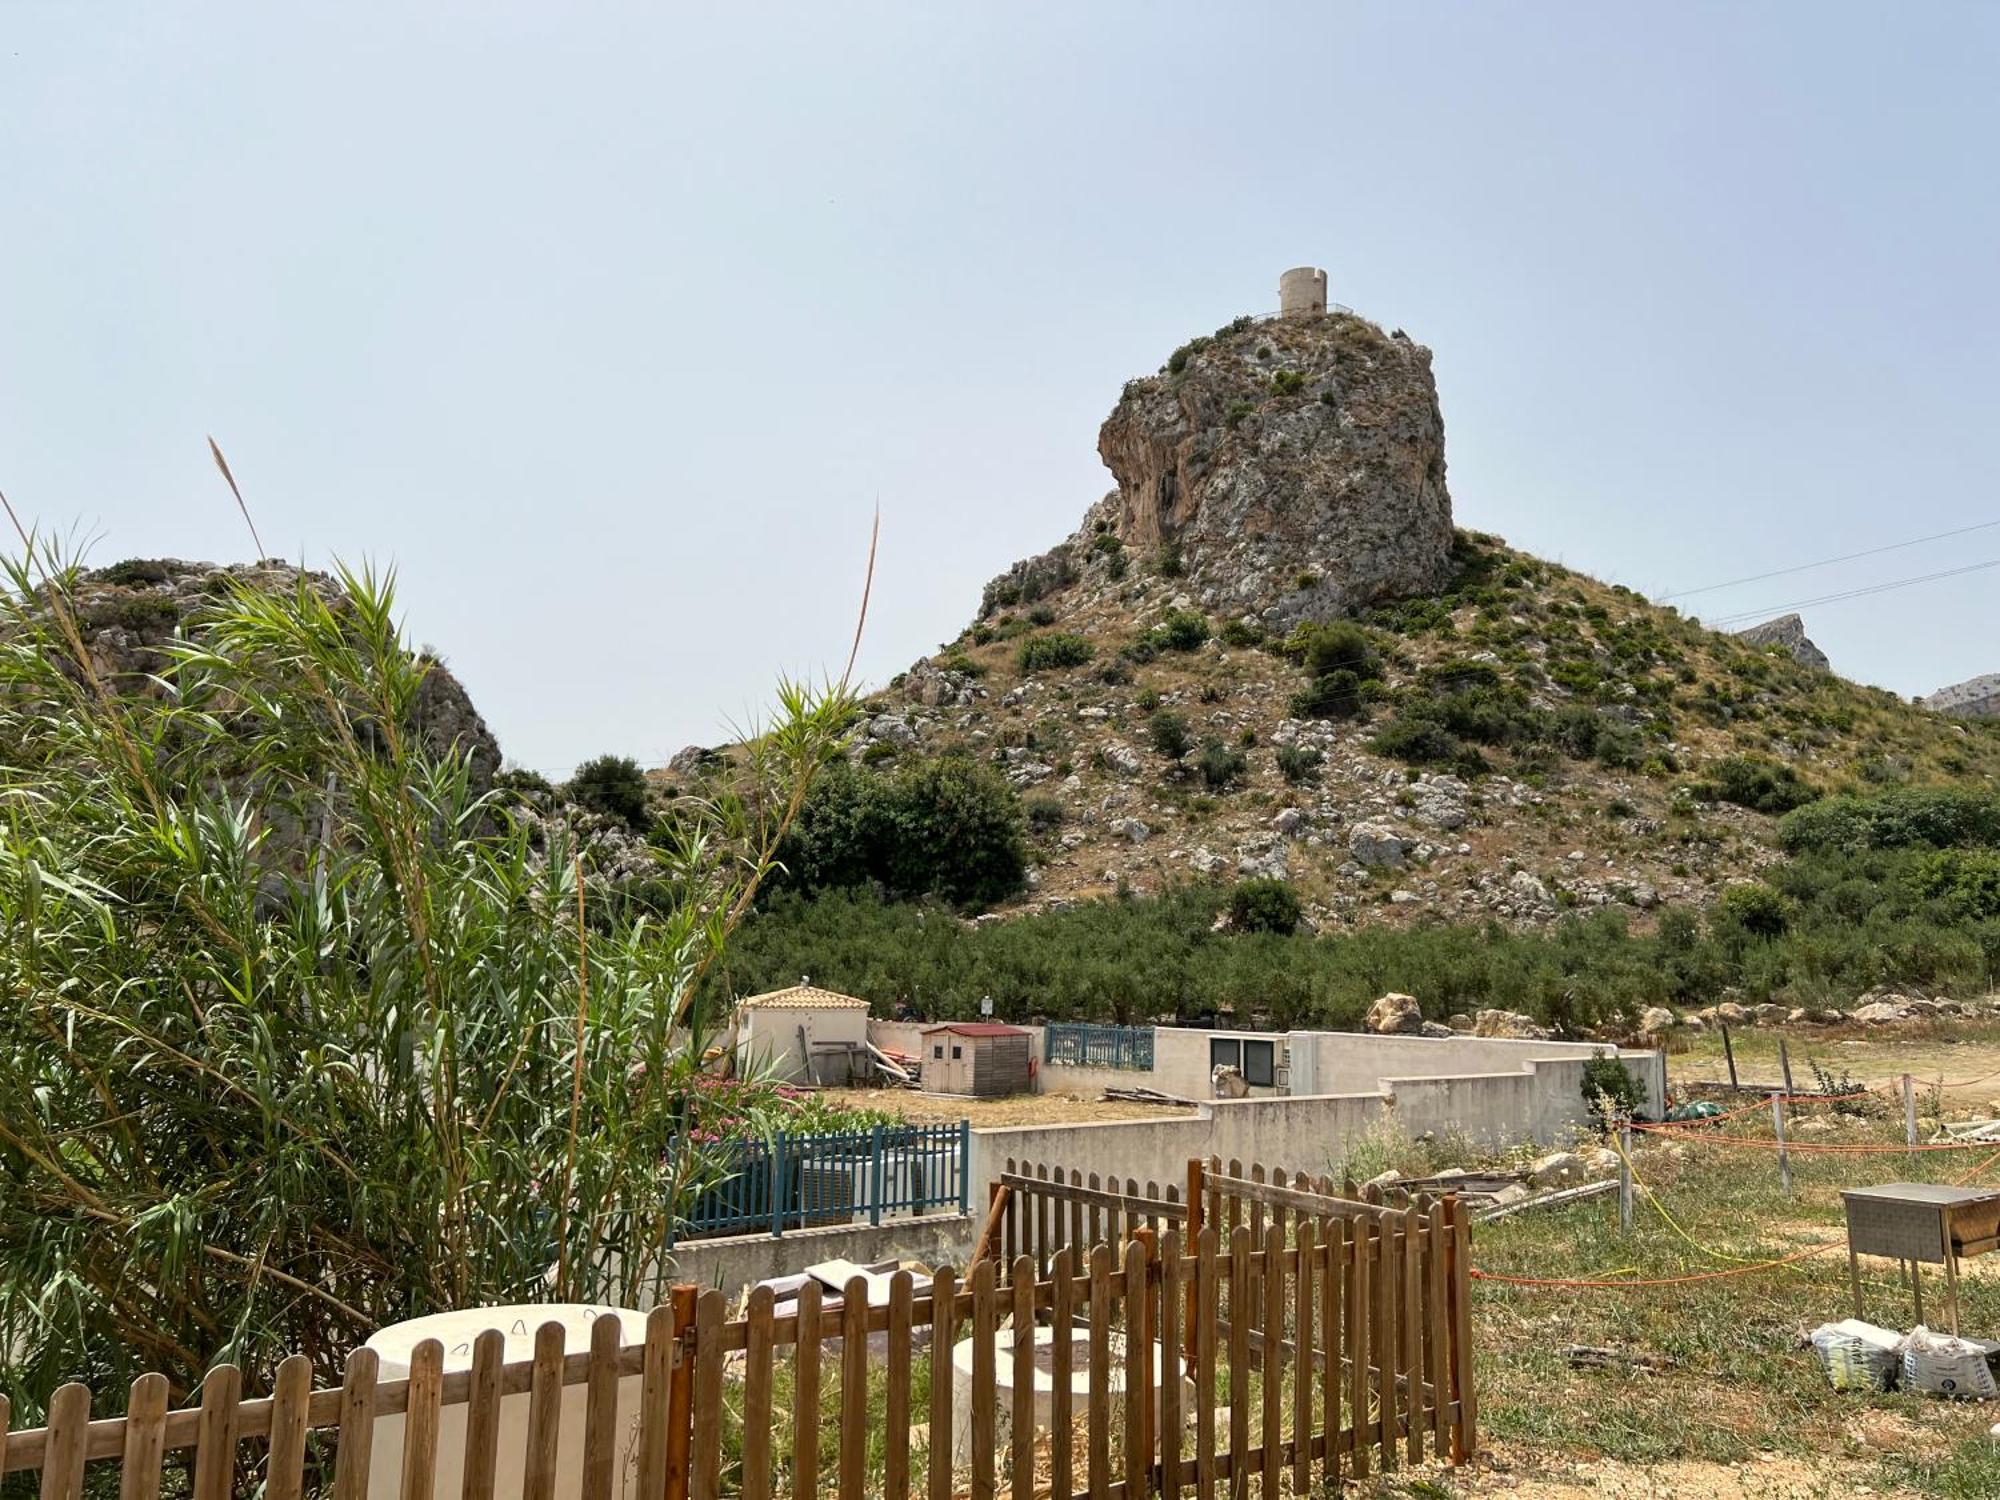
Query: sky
x=609, y=327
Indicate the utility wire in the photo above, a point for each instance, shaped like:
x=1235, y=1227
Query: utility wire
x=1827, y=562
x=1877, y=588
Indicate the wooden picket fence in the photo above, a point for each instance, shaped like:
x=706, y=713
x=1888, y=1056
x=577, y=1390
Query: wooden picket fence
x=1286, y=1334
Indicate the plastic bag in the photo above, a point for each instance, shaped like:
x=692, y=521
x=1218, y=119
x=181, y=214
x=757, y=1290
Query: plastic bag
x=1858, y=1356
x=1948, y=1366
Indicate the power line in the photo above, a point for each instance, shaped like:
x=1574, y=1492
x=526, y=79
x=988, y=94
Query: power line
x=1827, y=562
x=1878, y=588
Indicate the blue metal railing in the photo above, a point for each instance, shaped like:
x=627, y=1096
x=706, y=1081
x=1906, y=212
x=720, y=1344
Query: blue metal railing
x=801, y=1181
x=1083, y=1046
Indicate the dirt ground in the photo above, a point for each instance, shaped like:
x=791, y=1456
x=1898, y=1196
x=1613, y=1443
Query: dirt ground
x=1526, y=1475
x=1962, y=1057
x=1016, y=1109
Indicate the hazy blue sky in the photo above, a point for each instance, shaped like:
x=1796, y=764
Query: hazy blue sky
x=607, y=325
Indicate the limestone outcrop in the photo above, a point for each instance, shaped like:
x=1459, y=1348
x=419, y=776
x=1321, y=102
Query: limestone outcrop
x=128, y=614
x=1788, y=632
x=1289, y=469
x=1975, y=698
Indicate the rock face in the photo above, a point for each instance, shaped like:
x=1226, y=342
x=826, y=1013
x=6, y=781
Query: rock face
x=1295, y=466
x=1789, y=632
x=1395, y=1015
x=128, y=614
x=1976, y=698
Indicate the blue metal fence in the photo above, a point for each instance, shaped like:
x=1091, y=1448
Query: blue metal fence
x=1084, y=1046
x=801, y=1181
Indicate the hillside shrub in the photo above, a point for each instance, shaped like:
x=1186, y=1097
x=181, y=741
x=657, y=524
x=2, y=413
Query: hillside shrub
x=1053, y=651
x=1336, y=695
x=1182, y=630
x=1220, y=765
x=614, y=786
x=1756, y=909
x=1299, y=764
x=1169, y=733
x=1967, y=881
x=1765, y=786
x=1264, y=905
x=1941, y=817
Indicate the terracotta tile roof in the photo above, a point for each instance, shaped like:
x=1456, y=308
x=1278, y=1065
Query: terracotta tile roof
x=975, y=1028
x=802, y=997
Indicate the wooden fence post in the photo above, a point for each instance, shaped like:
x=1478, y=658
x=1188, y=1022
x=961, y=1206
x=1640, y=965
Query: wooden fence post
x=680, y=1393
x=1785, y=1064
x=1729, y=1053
x=1624, y=1175
x=1784, y=1156
x=1197, y=1202
x=1910, y=1114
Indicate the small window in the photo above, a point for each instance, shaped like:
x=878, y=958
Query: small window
x=957, y=1053
x=937, y=1051
x=1224, y=1052
x=1260, y=1064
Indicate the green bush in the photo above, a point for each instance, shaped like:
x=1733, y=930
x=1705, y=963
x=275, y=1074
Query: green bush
x=1237, y=410
x=1299, y=764
x=942, y=826
x=1169, y=560
x=1322, y=646
x=1221, y=765
x=1966, y=881
x=1264, y=906
x=1169, y=733
x=1336, y=695
x=1610, y=1091
x=1942, y=817
x=1240, y=635
x=1756, y=909
x=614, y=786
x=1287, y=383
x=1764, y=786
x=1045, y=814
x=1057, y=649
x=1181, y=630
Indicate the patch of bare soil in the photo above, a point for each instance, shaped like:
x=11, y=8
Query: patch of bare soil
x=1015, y=1109
x=1529, y=1475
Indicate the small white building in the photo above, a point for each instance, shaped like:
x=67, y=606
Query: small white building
x=803, y=1034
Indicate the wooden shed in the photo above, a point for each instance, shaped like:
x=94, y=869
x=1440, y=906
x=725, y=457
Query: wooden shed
x=977, y=1057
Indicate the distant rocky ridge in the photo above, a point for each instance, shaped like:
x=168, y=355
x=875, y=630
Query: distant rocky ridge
x=1291, y=468
x=129, y=612
x=1975, y=698
x=1789, y=632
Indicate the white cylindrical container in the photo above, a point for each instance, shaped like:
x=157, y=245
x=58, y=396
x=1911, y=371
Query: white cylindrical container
x=1043, y=1377
x=456, y=1331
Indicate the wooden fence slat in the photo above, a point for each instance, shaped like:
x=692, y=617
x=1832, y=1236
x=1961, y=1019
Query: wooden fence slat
x=705, y=1460
x=215, y=1451
x=896, y=1439
x=805, y=1396
x=1021, y=1419
x=1170, y=1364
x=682, y=1298
x=985, y=1379
x=757, y=1383
x=353, y=1452
x=655, y=1382
x=1099, y=1384
x=1333, y=1284
x=600, y=1407
x=482, y=1417
x=62, y=1457
x=1207, y=1295
x=145, y=1437
x=1465, y=1438
x=944, y=1326
x=1302, y=1360
x=291, y=1400
x=1360, y=1297
x=1239, y=1361
x=1382, y=1339
x=1062, y=1323
x=1410, y=1294
x=1438, y=1329
x=420, y=1421
x=538, y=1472
x=1274, y=1370
x=852, y=1470
x=1138, y=1356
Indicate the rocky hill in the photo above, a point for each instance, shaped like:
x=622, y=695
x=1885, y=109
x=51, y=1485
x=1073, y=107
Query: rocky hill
x=1975, y=698
x=1521, y=739
x=129, y=614
x=1788, y=632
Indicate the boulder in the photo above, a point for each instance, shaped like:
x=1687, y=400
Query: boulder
x=1878, y=1013
x=1729, y=1013
x=1395, y=1015
x=1557, y=1169
x=1459, y=1021
x=1768, y=1015
x=1510, y=1025
x=1131, y=829
x=1377, y=846
x=1656, y=1020
x=1435, y=1029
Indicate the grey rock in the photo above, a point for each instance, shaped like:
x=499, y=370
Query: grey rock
x=1395, y=1015
x=1130, y=828
x=1377, y=846
x=1975, y=698
x=1788, y=632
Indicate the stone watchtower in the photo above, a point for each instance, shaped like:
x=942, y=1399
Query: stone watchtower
x=1302, y=292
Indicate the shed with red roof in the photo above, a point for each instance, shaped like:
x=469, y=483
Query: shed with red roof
x=983, y=1058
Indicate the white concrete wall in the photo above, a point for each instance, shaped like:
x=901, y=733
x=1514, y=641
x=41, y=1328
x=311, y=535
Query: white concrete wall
x=768, y=1037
